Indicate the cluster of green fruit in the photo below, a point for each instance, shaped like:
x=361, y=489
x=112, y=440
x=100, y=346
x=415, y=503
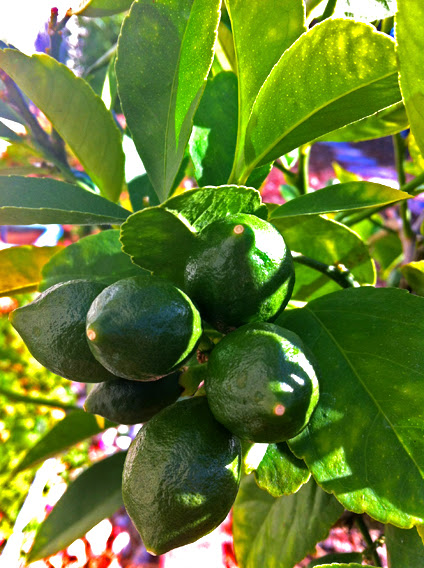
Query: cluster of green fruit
x=135, y=336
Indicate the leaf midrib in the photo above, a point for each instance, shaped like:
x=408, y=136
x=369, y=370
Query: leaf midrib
x=380, y=410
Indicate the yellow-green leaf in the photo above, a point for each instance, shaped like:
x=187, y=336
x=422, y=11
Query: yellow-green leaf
x=101, y=8
x=20, y=268
x=75, y=111
x=414, y=275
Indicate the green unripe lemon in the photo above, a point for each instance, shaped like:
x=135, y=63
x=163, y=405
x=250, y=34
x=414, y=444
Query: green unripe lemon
x=53, y=328
x=262, y=383
x=181, y=476
x=142, y=328
x=133, y=402
x=240, y=271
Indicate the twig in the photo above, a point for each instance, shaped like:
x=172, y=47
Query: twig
x=369, y=541
x=329, y=10
x=18, y=397
x=302, y=178
x=339, y=273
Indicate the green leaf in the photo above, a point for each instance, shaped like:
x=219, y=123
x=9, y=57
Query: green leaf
x=341, y=565
x=340, y=197
x=405, y=548
x=28, y=200
x=413, y=273
x=7, y=112
x=75, y=427
x=20, y=268
x=410, y=53
x=76, y=112
x=8, y=134
x=369, y=421
x=93, y=496
x=368, y=11
x=142, y=193
x=338, y=559
x=262, y=31
x=101, y=8
x=271, y=532
x=339, y=72
x=177, y=42
x=159, y=241
x=385, y=122
x=213, y=140
x=280, y=472
x=96, y=257
x=202, y=206
x=329, y=242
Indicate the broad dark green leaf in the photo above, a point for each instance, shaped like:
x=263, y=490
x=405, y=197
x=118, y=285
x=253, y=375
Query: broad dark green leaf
x=368, y=11
x=413, y=273
x=93, y=496
x=271, y=532
x=280, y=472
x=213, y=140
x=342, y=566
x=337, y=560
x=405, y=549
x=329, y=242
x=101, y=8
x=339, y=72
x=340, y=197
x=75, y=427
x=385, y=122
x=96, y=257
x=202, y=206
x=20, y=268
x=262, y=31
x=142, y=193
x=75, y=111
x=8, y=134
x=159, y=241
x=177, y=42
x=410, y=53
x=369, y=421
x=27, y=200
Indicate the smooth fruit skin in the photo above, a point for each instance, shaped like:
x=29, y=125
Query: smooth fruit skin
x=142, y=328
x=133, y=402
x=262, y=383
x=53, y=329
x=240, y=271
x=181, y=476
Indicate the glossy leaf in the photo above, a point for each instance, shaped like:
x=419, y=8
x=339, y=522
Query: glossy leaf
x=93, y=496
x=20, y=268
x=96, y=257
x=413, y=273
x=368, y=11
x=280, y=472
x=339, y=72
x=75, y=111
x=340, y=197
x=27, y=200
x=410, y=53
x=177, y=42
x=262, y=31
x=159, y=241
x=368, y=421
x=142, y=193
x=74, y=428
x=329, y=242
x=385, y=122
x=280, y=532
x=101, y=8
x=202, y=206
x=337, y=560
x=213, y=140
x=405, y=549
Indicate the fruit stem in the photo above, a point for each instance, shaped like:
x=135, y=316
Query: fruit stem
x=338, y=272
x=18, y=397
x=371, y=545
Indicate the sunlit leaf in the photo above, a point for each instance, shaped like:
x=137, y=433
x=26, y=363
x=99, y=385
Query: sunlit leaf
x=75, y=111
x=368, y=421
x=177, y=42
x=413, y=273
x=101, y=8
x=20, y=268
